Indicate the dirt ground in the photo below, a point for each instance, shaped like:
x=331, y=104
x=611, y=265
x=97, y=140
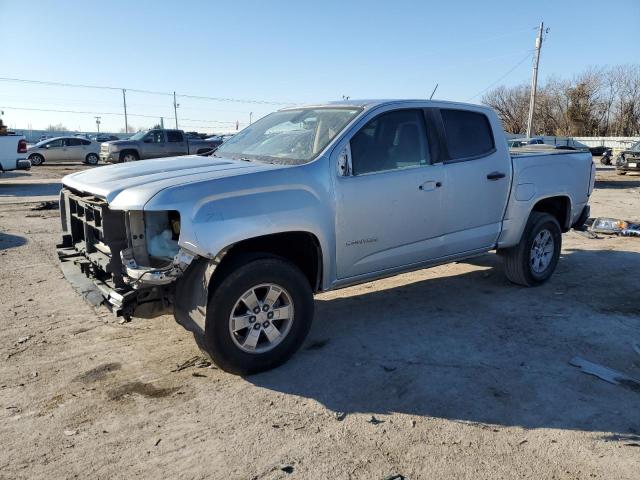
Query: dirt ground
x=449, y=372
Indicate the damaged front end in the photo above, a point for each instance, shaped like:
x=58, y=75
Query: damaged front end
x=128, y=260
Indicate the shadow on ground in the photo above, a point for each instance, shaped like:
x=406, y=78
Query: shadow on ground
x=29, y=189
x=473, y=347
x=619, y=184
x=11, y=241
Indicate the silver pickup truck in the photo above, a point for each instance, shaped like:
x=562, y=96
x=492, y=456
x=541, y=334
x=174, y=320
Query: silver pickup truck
x=156, y=143
x=310, y=199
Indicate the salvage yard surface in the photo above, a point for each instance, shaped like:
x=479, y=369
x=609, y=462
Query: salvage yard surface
x=450, y=372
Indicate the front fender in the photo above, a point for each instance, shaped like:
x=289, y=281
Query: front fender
x=215, y=215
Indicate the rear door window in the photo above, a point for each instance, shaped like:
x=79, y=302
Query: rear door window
x=174, y=136
x=468, y=134
x=73, y=142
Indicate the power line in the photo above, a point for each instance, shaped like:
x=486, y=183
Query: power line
x=150, y=92
x=114, y=113
x=502, y=77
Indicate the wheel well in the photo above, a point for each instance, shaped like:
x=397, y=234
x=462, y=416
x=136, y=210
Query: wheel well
x=300, y=248
x=559, y=207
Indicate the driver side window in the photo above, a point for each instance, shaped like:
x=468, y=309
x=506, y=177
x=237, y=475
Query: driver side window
x=391, y=141
x=155, y=136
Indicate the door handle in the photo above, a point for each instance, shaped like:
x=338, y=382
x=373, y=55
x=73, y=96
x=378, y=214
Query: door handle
x=430, y=185
x=496, y=175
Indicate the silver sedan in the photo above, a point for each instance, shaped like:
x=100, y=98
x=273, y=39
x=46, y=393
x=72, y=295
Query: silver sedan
x=64, y=149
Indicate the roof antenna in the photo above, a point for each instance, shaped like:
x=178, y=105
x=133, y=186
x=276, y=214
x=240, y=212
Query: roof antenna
x=434, y=91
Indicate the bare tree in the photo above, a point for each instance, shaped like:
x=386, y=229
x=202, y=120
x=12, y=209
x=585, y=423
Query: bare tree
x=598, y=101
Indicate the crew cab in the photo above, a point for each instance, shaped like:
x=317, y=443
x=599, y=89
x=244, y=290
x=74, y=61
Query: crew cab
x=13, y=149
x=310, y=199
x=156, y=143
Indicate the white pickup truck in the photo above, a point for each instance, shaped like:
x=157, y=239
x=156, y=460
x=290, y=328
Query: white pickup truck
x=13, y=153
x=310, y=199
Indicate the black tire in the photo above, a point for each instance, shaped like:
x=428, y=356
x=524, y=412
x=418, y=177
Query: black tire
x=246, y=274
x=517, y=260
x=605, y=160
x=36, y=159
x=91, y=159
x=128, y=156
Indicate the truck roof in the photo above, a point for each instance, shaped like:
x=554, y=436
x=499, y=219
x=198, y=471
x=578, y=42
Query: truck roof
x=370, y=103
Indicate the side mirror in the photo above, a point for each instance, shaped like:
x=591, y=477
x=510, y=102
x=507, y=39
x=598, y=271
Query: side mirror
x=344, y=162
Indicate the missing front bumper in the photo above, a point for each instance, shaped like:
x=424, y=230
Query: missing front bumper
x=146, y=302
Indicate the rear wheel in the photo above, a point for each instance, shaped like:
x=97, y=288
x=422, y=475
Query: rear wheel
x=36, y=159
x=258, y=315
x=534, y=259
x=92, y=159
x=605, y=160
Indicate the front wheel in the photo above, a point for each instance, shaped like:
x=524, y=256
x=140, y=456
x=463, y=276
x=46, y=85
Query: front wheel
x=258, y=315
x=534, y=259
x=128, y=157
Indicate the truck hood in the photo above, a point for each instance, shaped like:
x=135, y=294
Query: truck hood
x=131, y=185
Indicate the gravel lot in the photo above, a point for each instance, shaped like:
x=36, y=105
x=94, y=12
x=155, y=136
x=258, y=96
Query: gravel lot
x=450, y=372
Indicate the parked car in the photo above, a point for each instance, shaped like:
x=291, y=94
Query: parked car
x=64, y=149
x=310, y=199
x=13, y=150
x=599, y=151
x=106, y=138
x=628, y=160
x=156, y=143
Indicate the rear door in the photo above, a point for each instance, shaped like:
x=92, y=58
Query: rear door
x=477, y=172
x=154, y=145
x=176, y=143
x=74, y=149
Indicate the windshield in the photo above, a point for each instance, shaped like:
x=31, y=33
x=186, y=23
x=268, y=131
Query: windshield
x=635, y=147
x=292, y=137
x=139, y=135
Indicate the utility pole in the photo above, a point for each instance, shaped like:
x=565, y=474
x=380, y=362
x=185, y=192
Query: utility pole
x=98, y=123
x=175, y=109
x=534, y=81
x=250, y=117
x=124, y=100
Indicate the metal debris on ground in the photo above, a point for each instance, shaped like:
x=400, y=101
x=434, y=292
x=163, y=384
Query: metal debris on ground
x=340, y=416
x=70, y=433
x=49, y=205
x=23, y=339
x=395, y=477
x=615, y=226
x=374, y=421
x=607, y=374
x=197, y=362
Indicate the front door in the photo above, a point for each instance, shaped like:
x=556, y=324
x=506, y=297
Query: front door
x=54, y=150
x=154, y=145
x=389, y=208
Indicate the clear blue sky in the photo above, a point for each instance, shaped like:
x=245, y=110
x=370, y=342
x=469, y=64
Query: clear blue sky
x=293, y=51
